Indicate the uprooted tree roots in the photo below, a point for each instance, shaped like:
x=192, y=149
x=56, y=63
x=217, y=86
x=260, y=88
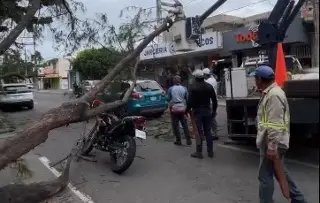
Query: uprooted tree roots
x=70, y=112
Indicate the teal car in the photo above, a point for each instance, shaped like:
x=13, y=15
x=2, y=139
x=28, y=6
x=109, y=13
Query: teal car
x=147, y=99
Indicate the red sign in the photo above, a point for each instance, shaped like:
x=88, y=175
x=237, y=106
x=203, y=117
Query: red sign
x=247, y=37
x=47, y=71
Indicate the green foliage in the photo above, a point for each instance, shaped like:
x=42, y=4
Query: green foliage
x=93, y=64
x=13, y=11
x=12, y=62
x=133, y=30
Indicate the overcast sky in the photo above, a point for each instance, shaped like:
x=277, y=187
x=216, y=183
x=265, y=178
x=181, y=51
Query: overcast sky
x=241, y=8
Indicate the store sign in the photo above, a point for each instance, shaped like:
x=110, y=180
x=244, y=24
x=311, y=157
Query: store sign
x=210, y=41
x=159, y=50
x=54, y=75
x=249, y=37
x=47, y=71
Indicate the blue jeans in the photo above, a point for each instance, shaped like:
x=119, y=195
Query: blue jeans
x=203, y=119
x=176, y=119
x=266, y=180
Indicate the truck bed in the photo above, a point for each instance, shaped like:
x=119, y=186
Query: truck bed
x=242, y=112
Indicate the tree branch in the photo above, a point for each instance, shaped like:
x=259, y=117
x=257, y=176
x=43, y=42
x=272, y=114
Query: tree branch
x=36, y=192
x=70, y=112
x=14, y=34
x=89, y=96
x=106, y=107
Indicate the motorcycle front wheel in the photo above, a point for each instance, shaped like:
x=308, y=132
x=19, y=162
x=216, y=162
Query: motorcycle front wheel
x=87, y=142
x=122, y=158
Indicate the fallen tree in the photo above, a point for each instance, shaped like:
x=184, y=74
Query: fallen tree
x=70, y=112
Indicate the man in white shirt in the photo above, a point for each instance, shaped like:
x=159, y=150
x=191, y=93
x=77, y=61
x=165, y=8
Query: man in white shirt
x=213, y=82
x=210, y=79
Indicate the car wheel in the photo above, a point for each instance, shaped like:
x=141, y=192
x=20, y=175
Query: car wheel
x=30, y=105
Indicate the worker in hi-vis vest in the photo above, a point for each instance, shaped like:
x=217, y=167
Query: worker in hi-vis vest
x=273, y=134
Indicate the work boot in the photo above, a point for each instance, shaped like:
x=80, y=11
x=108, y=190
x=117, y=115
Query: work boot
x=178, y=143
x=189, y=142
x=210, y=154
x=198, y=153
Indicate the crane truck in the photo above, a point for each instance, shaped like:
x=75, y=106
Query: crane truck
x=302, y=89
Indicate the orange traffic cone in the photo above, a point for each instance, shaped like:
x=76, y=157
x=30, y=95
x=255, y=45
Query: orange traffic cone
x=281, y=69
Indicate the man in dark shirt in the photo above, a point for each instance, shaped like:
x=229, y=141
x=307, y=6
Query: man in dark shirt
x=200, y=95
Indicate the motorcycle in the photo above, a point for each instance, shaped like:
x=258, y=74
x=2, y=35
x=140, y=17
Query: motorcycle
x=116, y=136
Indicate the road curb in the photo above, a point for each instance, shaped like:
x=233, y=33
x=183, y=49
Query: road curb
x=50, y=92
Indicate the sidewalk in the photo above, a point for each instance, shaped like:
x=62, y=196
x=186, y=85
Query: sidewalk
x=53, y=91
x=39, y=173
x=221, y=102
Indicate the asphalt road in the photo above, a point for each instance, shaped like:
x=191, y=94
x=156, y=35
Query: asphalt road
x=164, y=173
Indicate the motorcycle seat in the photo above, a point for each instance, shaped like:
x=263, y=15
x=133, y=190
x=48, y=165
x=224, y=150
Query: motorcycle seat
x=114, y=125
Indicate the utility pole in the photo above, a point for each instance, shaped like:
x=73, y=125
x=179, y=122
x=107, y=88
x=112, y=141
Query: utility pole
x=315, y=55
x=159, y=17
x=25, y=62
x=35, y=67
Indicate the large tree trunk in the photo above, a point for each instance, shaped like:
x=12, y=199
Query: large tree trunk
x=14, y=34
x=70, y=112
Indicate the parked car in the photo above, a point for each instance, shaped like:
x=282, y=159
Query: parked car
x=16, y=94
x=29, y=83
x=88, y=84
x=148, y=98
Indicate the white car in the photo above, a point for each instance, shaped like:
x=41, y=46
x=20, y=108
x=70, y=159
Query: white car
x=16, y=94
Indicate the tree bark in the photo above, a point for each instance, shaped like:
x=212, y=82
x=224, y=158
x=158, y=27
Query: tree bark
x=14, y=34
x=37, y=192
x=70, y=112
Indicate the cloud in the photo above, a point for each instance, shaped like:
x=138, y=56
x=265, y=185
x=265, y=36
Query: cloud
x=192, y=8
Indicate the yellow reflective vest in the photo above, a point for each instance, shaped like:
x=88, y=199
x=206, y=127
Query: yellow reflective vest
x=273, y=119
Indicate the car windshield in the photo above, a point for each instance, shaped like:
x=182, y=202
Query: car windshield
x=10, y=80
x=86, y=83
x=147, y=86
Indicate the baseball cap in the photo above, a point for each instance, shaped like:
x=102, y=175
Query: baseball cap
x=198, y=73
x=206, y=71
x=264, y=71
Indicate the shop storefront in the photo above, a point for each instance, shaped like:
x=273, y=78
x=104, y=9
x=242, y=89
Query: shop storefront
x=240, y=42
x=163, y=58
x=211, y=42
x=49, y=78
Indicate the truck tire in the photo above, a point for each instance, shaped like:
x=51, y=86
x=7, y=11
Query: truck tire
x=302, y=88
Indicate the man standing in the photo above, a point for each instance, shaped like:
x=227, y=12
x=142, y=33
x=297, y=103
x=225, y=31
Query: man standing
x=273, y=134
x=178, y=95
x=212, y=81
x=200, y=95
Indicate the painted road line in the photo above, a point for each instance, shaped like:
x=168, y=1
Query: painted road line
x=85, y=198
x=257, y=153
